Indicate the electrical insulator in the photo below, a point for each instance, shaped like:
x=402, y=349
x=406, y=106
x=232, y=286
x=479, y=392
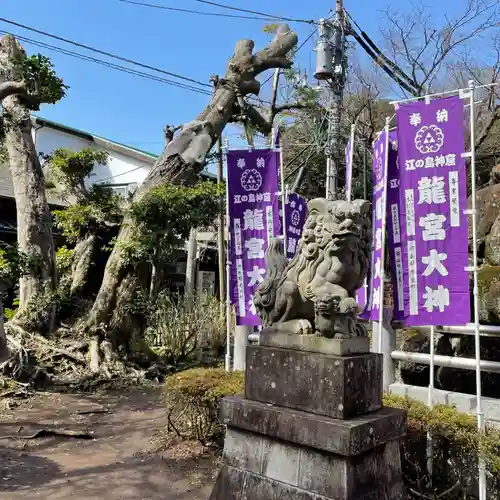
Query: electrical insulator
x=324, y=61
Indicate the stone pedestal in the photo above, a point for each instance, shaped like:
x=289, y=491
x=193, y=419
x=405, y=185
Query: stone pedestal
x=311, y=425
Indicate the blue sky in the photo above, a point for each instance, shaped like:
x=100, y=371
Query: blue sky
x=132, y=110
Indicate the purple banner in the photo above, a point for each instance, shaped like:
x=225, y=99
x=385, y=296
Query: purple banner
x=348, y=170
x=397, y=255
x=253, y=221
x=433, y=196
x=379, y=173
x=295, y=216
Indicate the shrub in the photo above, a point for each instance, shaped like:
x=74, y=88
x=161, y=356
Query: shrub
x=178, y=328
x=10, y=312
x=457, y=444
x=64, y=260
x=193, y=402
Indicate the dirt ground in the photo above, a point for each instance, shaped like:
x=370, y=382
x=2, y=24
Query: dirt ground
x=118, y=462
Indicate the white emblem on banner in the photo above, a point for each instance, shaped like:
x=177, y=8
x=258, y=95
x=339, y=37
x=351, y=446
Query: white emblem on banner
x=429, y=139
x=251, y=180
x=295, y=217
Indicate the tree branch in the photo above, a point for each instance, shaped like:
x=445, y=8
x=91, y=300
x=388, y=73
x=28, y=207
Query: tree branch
x=275, y=54
x=169, y=132
x=290, y=107
x=263, y=125
x=11, y=88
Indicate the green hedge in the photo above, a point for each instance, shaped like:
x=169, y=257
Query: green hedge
x=457, y=444
x=193, y=402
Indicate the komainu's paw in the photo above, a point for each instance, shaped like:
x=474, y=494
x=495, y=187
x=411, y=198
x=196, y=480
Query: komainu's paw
x=349, y=306
x=304, y=327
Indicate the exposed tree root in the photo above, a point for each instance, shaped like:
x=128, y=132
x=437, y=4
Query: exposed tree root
x=69, y=361
x=53, y=432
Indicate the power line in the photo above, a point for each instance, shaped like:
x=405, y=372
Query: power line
x=108, y=54
x=383, y=66
x=411, y=81
x=278, y=18
x=109, y=64
x=198, y=12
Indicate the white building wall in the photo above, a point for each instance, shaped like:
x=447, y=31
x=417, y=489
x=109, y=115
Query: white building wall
x=120, y=169
x=47, y=140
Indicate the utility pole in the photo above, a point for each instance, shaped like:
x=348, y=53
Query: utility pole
x=331, y=65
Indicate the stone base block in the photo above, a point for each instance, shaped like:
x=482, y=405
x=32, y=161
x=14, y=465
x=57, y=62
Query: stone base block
x=334, y=386
x=313, y=343
x=340, y=437
x=259, y=468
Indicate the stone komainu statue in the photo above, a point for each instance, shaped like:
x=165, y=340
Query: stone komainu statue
x=315, y=292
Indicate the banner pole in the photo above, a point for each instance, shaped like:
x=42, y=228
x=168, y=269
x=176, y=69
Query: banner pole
x=384, y=221
x=228, y=268
x=283, y=189
x=477, y=334
x=351, y=159
x=430, y=401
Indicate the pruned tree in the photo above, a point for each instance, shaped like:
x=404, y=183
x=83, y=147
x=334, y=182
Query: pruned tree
x=181, y=162
x=13, y=265
x=89, y=223
x=25, y=84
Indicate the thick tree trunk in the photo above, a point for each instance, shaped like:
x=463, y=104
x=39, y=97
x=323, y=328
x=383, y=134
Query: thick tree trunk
x=181, y=162
x=83, y=258
x=34, y=222
x=4, y=349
